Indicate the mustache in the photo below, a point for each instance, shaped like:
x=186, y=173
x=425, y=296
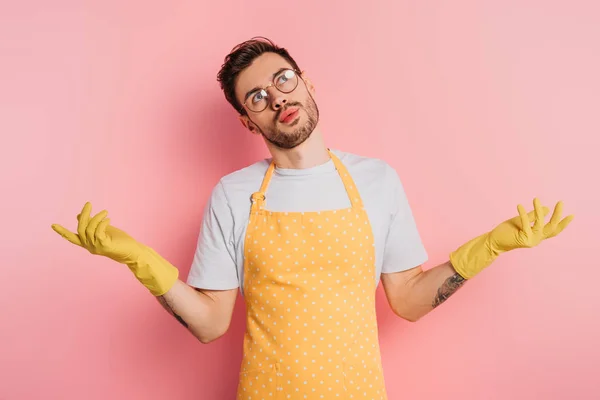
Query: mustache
x=294, y=104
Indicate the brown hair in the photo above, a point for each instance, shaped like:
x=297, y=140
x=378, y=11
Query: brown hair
x=240, y=57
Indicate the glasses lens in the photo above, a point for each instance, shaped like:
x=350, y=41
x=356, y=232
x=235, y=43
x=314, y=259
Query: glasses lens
x=258, y=100
x=286, y=81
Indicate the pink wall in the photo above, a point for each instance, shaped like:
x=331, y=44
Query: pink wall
x=479, y=105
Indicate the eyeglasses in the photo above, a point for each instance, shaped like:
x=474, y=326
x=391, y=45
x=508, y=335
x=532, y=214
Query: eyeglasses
x=285, y=81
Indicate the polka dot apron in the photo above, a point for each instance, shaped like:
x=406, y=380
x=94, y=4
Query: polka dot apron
x=311, y=328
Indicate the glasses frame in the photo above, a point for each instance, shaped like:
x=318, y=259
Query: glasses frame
x=298, y=74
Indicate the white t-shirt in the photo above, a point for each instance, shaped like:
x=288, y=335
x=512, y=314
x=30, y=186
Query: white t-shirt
x=219, y=258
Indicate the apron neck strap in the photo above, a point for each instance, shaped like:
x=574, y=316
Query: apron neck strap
x=351, y=189
x=258, y=198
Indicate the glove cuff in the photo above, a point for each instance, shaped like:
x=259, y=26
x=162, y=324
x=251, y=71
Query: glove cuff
x=472, y=257
x=154, y=272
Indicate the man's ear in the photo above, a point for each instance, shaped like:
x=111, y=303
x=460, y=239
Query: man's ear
x=248, y=124
x=309, y=84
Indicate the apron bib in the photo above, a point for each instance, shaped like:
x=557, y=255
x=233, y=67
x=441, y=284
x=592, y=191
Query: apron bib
x=309, y=282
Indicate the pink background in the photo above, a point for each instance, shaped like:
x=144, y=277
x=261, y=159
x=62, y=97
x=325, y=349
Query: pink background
x=480, y=105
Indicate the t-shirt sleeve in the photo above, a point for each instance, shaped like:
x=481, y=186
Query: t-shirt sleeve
x=214, y=264
x=403, y=246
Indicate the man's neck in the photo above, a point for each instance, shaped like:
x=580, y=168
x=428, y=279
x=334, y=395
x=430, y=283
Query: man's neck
x=311, y=153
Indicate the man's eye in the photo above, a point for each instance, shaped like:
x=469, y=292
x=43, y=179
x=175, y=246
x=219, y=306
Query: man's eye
x=259, y=96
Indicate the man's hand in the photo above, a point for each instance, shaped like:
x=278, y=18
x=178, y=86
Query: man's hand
x=475, y=255
x=97, y=236
x=518, y=232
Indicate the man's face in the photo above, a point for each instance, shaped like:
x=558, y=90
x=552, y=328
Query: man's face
x=275, y=122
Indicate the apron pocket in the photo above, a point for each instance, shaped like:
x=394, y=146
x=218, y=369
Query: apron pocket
x=259, y=384
x=315, y=382
x=364, y=381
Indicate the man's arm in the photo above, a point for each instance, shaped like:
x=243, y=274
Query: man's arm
x=205, y=313
x=413, y=293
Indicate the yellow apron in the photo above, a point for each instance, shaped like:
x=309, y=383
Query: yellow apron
x=309, y=284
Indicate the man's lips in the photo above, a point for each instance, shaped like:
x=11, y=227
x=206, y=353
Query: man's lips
x=288, y=114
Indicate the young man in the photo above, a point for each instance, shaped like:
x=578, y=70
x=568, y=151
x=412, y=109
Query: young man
x=305, y=236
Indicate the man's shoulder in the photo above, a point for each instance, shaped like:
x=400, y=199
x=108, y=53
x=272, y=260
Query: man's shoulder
x=247, y=174
x=236, y=186
x=366, y=165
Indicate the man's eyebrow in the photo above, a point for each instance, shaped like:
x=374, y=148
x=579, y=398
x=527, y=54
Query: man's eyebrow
x=249, y=92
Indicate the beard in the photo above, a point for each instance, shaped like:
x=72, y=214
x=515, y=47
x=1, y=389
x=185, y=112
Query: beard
x=289, y=140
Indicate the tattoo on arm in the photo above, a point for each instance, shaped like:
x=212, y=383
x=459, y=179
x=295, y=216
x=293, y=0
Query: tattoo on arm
x=166, y=305
x=448, y=288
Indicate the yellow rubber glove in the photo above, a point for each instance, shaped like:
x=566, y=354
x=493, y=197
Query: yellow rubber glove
x=475, y=255
x=98, y=237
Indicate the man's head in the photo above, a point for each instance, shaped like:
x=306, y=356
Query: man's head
x=265, y=85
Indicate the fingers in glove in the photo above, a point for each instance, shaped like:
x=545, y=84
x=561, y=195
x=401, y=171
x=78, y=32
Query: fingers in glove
x=556, y=226
x=101, y=230
x=539, y=216
x=531, y=215
x=65, y=233
x=84, y=218
x=556, y=215
x=563, y=224
x=90, y=230
x=525, y=224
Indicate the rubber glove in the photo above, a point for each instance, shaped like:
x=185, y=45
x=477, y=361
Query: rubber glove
x=99, y=237
x=475, y=255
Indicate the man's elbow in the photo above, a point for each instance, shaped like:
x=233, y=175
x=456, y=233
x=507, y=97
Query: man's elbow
x=207, y=337
x=410, y=318
x=407, y=315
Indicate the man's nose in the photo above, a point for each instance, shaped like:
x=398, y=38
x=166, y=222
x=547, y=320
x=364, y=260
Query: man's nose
x=279, y=101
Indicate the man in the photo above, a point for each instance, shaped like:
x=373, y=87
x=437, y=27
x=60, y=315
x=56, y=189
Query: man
x=305, y=236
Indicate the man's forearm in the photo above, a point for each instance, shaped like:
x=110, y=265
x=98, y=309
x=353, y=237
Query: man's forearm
x=169, y=305
x=431, y=288
x=193, y=309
